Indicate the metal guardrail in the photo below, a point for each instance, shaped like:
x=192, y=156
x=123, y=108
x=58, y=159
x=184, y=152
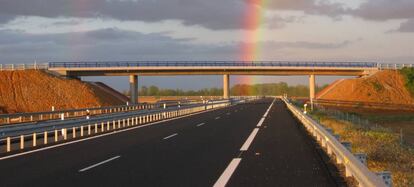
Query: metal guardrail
x=353, y=167
x=72, y=113
x=6, y=119
x=209, y=63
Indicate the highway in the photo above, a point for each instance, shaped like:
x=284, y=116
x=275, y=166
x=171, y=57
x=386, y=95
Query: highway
x=252, y=144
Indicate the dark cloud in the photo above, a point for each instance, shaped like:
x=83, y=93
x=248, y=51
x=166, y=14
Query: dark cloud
x=321, y=7
x=380, y=10
x=116, y=44
x=279, y=22
x=407, y=26
x=212, y=14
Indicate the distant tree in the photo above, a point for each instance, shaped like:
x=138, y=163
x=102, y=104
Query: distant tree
x=153, y=91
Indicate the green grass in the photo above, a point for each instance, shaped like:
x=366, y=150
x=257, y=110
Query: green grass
x=408, y=74
x=377, y=86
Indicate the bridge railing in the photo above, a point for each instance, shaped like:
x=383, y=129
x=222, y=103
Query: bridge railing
x=12, y=67
x=353, y=167
x=210, y=63
x=394, y=66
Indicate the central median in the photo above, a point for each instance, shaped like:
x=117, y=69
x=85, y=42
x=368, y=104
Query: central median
x=37, y=136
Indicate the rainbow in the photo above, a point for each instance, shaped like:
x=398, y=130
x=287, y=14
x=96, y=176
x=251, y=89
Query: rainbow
x=250, y=48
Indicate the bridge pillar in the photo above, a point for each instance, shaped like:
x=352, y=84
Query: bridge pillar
x=311, y=89
x=226, y=88
x=133, y=88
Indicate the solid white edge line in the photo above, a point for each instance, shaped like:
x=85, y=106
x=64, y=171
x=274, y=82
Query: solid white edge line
x=228, y=172
x=201, y=124
x=217, y=117
x=101, y=135
x=170, y=136
x=98, y=164
x=249, y=140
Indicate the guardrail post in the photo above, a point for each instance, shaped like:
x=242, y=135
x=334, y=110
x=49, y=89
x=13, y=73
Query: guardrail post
x=347, y=171
x=102, y=127
x=81, y=131
x=128, y=119
x=96, y=128
x=362, y=157
x=8, y=146
x=386, y=177
x=45, y=137
x=107, y=126
x=65, y=134
x=73, y=132
x=113, y=125
x=56, y=135
x=328, y=149
x=123, y=123
x=34, y=140
x=21, y=141
x=89, y=129
x=119, y=124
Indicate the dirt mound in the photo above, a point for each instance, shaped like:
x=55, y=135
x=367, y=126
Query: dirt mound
x=33, y=91
x=381, y=87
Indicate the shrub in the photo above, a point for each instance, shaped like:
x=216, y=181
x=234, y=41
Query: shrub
x=408, y=74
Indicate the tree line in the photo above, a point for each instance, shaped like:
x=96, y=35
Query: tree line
x=236, y=90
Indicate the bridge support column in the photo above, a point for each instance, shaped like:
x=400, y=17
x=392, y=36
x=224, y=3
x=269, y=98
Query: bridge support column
x=226, y=88
x=133, y=88
x=311, y=89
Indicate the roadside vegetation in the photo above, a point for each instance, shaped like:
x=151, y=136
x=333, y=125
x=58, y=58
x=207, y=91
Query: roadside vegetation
x=382, y=146
x=408, y=74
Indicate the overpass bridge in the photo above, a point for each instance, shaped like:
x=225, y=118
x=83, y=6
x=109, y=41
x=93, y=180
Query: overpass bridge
x=225, y=68
x=133, y=69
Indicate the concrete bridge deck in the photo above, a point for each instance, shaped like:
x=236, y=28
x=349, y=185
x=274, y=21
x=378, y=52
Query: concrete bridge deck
x=157, y=68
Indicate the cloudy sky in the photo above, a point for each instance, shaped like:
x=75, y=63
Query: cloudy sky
x=103, y=30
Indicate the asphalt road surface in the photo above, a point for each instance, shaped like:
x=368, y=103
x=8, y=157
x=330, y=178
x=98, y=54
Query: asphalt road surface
x=237, y=146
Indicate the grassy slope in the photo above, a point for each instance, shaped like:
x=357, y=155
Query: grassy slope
x=380, y=144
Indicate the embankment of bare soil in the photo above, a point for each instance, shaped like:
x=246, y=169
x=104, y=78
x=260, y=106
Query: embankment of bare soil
x=34, y=90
